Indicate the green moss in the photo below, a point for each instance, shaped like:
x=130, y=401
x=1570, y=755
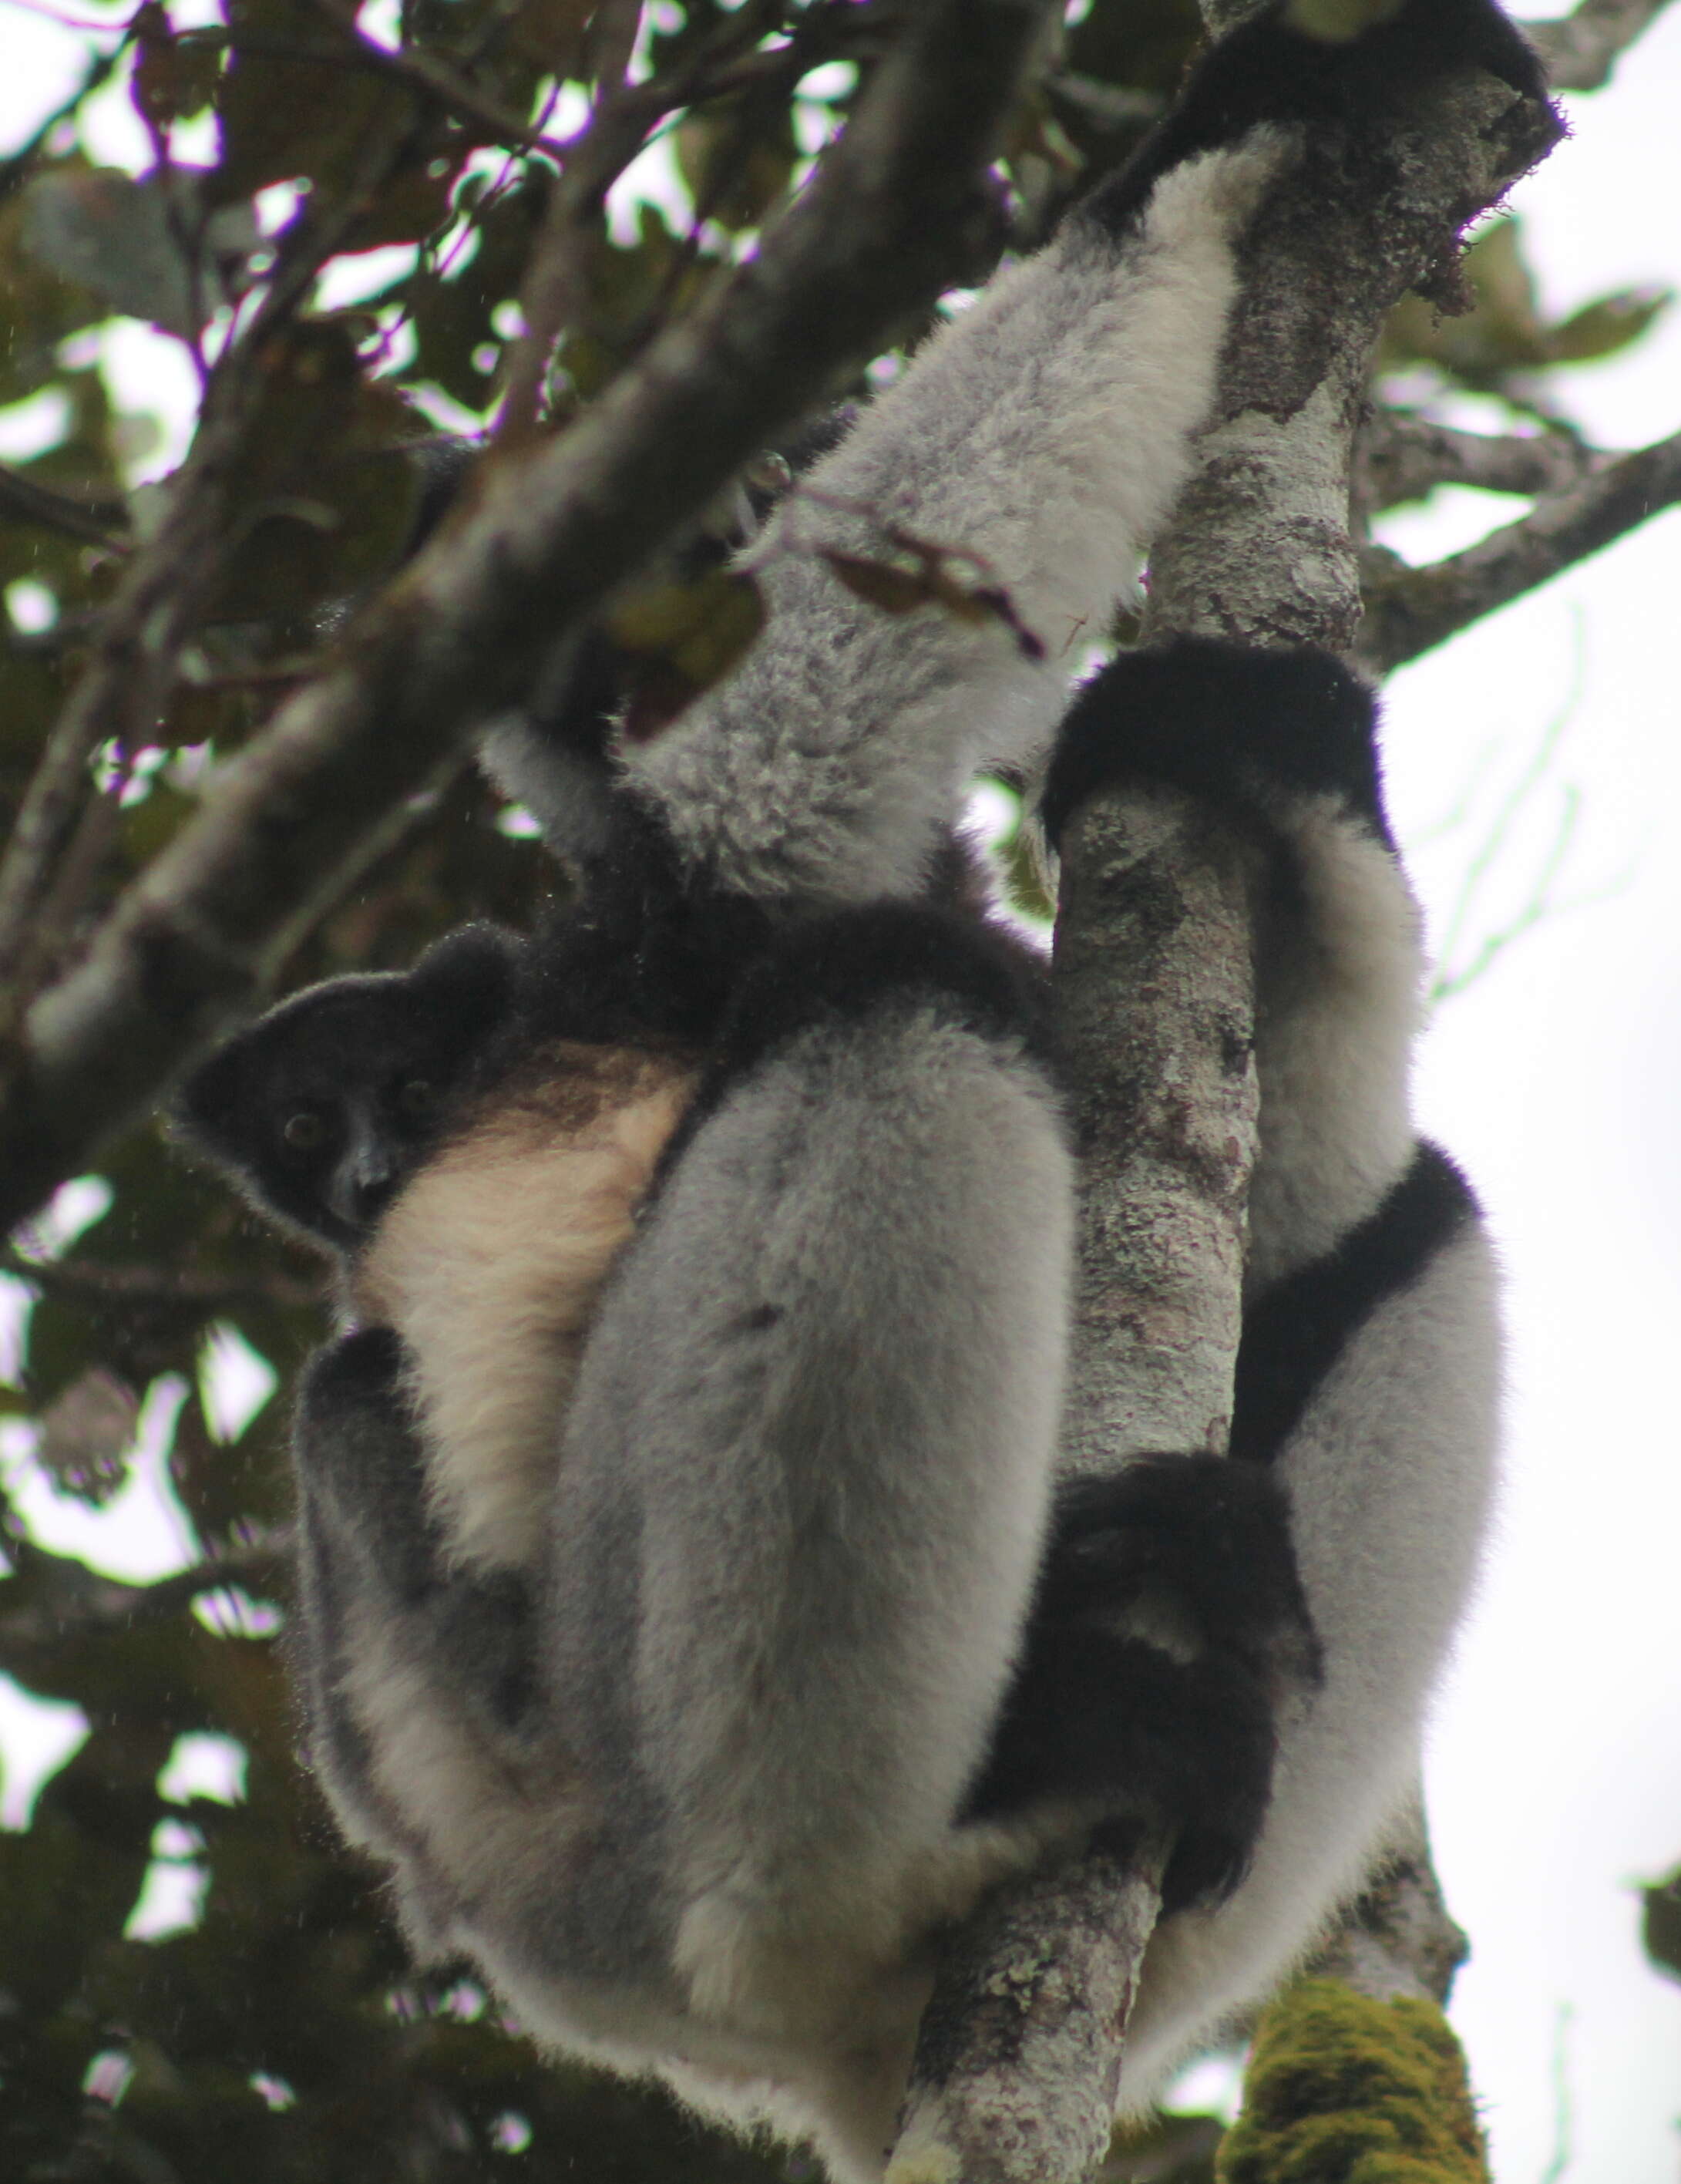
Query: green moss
x=1343, y=2090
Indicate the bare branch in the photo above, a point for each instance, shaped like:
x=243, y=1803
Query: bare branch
x=1410, y=610
x=1260, y=545
x=153, y=1288
x=1399, y=1938
x=1014, y=2075
x=127, y=680
x=54, y=1600
x=99, y=522
x=1399, y=457
x=556, y=275
x=609, y=41
x=305, y=808
x=1582, y=49
x=436, y=80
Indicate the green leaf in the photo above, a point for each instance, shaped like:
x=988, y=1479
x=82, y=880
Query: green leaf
x=148, y=247
x=687, y=636
x=1603, y=328
x=1661, y=1923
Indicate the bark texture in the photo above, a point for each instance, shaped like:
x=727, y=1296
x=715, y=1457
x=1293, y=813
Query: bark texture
x=1155, y=1013
x=1019, y=2049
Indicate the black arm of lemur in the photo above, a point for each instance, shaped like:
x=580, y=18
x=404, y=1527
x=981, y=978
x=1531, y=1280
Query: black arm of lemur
x=1236, y=727
x=1186, y=1745
x=1092, y=1713
x=1190, y=1745
x=649, y=952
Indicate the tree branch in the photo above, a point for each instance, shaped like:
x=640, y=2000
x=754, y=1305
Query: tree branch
x=54, y=1600
x=127, y=680
x=1399, y=457
x=556, y=272
x=1582, y=49
x=1259, y=547
x=307, y=806
x=151, y=1288
x=436, y=80
x=1399, y=1938
x=1410, y=610
x=100, y=522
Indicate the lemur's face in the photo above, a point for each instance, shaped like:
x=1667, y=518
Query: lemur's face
x=322, y=1109
x=348, y=1117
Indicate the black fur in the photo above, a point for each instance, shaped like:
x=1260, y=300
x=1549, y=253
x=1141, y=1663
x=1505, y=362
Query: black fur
x=688, y=1434
x=1093, y=1713
x=351, y=1055
x=651, y=954
x=1294, y=1335
x=647, y=953
x=852, y=963
x=1230, y=724
x=1265, y=70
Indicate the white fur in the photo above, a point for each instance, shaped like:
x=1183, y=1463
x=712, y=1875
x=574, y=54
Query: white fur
x=836, y=1559
x=1051, y=428
x=488, y=1266
x=498, y=1823
x=1336, y=1013
x=1390, y=1495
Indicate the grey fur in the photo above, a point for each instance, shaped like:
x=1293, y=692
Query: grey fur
x=780, y=1571
x=789, y=1540
x=1047, y=428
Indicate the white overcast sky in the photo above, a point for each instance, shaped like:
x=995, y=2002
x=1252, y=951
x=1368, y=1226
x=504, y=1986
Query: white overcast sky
x=1554, y=1762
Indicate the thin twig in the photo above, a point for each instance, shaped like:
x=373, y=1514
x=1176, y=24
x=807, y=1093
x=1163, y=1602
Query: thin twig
x=1409, y=611
x=1582, y=49
x=91, y=520
x=1498, y=836
x=126, y=682
x=617, y=131
x=1564, y=2151
x=417, y=69
x=16, y=168
x=94, y=1283
x=64, y=1600
x=1399, y=457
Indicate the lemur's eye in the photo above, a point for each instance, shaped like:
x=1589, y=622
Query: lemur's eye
x=306, y=1131
x=416, y=1096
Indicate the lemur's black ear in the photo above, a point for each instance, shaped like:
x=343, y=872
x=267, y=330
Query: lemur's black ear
x=471, y=974
x=210, y=1110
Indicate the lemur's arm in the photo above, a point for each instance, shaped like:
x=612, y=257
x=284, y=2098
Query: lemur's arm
x=417, y=1679
x=1047, y=430
x=1367, y=1378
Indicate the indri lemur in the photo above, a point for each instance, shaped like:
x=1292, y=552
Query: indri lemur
x=762, y=1646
